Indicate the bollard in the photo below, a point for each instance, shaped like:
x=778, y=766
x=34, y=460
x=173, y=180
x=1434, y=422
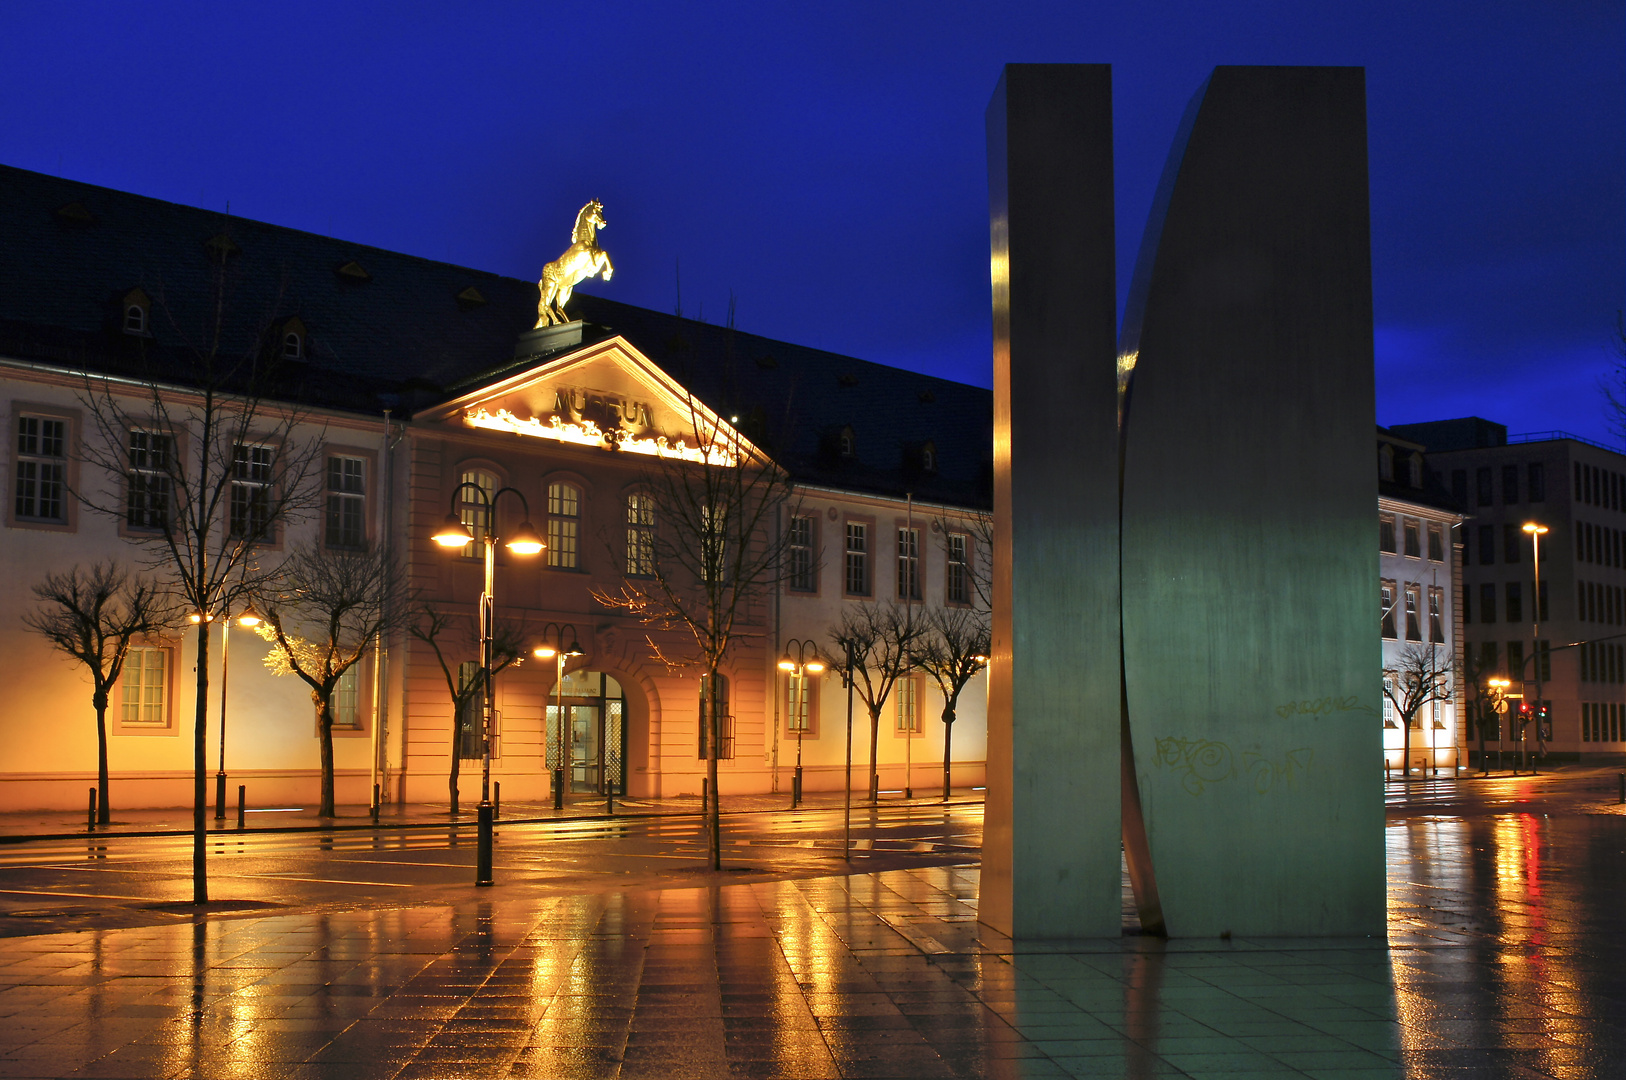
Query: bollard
x=242, y=802
x=609, y=799
x=1623, y=787
x=559, y=789
x=796, y=788
x=375, y=804
x=92, y=824
x=496, y=799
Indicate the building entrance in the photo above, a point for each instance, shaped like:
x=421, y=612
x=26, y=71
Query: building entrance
x=587, y=721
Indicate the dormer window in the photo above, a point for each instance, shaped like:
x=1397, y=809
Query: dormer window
x=1386, y=462
x=292, y=340
x=1416, y=469
x=847, y=442
x=137, y=313
x=928, y=458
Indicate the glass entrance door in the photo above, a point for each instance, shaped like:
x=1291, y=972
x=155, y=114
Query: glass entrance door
x=584, y=748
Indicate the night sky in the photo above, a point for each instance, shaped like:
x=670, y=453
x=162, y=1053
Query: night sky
x=824, y=165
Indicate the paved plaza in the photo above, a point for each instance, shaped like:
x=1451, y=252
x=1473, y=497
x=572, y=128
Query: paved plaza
x=1505, y=958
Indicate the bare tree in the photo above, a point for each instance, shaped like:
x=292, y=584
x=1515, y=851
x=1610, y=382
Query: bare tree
x=702, y=550
x=952, y=647
x=323, y=611
x=879, y=640
x=200, y=467
x=1419, y=675
x=93, y=615
x=977, y=527
x=457, y=634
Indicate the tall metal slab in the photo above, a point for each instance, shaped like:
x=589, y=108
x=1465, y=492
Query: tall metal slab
x=1050, y=864
x=1251, y=653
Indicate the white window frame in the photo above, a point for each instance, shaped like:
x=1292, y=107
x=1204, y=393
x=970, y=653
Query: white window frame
x=908, y=564
x=564, y=525
x=348, y=498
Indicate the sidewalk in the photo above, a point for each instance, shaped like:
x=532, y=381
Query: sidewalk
x=23, y=825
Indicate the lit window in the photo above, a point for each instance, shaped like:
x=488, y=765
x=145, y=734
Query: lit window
x=474, y=511
x=1436, y=616
x=42, y=468
x=958, y=587
x=564, y=526
x=147, y=482
x=1386, y=599
x=800, y=553
x=799, y=705
x=345, y=704
x=346, y=502
x=251, y=490
x=908, y=564
x=907, y=710
x=146, y=687
x=641, y=534
x=857, y=561
x=1414, y=627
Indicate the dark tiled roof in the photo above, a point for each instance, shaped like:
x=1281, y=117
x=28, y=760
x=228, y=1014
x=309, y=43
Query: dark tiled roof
x=407, y=329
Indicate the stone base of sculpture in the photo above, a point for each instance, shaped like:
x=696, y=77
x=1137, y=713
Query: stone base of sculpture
x=546, y=339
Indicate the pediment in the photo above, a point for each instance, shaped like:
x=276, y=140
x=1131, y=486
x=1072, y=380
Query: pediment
x=605, y=397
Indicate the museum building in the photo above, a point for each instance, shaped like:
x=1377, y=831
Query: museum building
x=419, y=384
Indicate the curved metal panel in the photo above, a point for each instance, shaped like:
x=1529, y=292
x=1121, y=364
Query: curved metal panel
x=1249, y=568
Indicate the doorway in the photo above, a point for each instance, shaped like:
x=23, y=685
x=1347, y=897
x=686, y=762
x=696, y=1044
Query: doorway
x=594, y=733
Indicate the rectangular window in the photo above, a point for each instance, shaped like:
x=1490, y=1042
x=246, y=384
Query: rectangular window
x=1459, y=486
x=1515, y=660
x=1487, y=603
x=857, y=559
x=800, y=553
x=564, y=526
x=1389, y=717
x=474, y=509
x=799, y=711
x=147, y=480
x=1386, y=601
x=1510, y=484
x=251, y=491
x=345, y=704
x=1536, y=482
x=1414, y=544
x=908, y=564
x=1487, y=544
x=1488, y=658
x=145, y=698
x=1386, y=533
x=471, y=717
x=1436, y=615
x=1483, y=484
x=641, y=534
x=1510, y=543
x=1436, y=541
x=346, y=502
x=1414, y=626
x=1515, y=602
x=1542, y=600
x=1580, y=493
x=42, y=469
x=957, y=589
x=907, y=710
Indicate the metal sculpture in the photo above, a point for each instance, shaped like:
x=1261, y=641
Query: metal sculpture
x=581, y=260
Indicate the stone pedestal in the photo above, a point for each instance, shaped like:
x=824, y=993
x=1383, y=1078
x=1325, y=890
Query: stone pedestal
x=546, y=339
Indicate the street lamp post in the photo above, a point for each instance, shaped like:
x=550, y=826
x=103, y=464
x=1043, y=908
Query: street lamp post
x=1536, y=531
x=525, y=541
x=799, y=665
x=557, y=651
x=248, y=619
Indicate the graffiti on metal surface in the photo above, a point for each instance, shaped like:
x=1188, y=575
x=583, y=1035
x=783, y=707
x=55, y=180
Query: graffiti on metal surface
x=1200, y=762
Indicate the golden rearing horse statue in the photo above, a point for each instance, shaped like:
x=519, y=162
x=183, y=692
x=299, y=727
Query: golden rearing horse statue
x=581, y=260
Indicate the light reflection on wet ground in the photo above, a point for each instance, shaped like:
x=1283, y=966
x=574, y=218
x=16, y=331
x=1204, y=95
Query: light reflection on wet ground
x=1504, y=960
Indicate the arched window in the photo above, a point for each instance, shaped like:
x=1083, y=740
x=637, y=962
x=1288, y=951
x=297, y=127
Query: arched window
x=135, y=319
x=473, y=510
x=293, y=346
x=928, y=457
x=848, y=442
x=641, y=534
x=725, y=719
x=1386, y=462
x=564, y=525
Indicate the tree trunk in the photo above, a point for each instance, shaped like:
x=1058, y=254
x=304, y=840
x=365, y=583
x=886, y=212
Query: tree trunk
x=457, y=753
x=100, y=701
x=200, y=795
x=1405, y=753
x=948, y=732
x=1484, y=762
x=324, y=725
x=874, y=750
x=714, y=817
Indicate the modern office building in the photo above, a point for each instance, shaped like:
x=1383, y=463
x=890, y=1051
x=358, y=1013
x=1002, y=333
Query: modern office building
x=1570, y=630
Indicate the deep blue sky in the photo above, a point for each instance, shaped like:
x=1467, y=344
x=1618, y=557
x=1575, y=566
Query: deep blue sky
x=825, y=164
